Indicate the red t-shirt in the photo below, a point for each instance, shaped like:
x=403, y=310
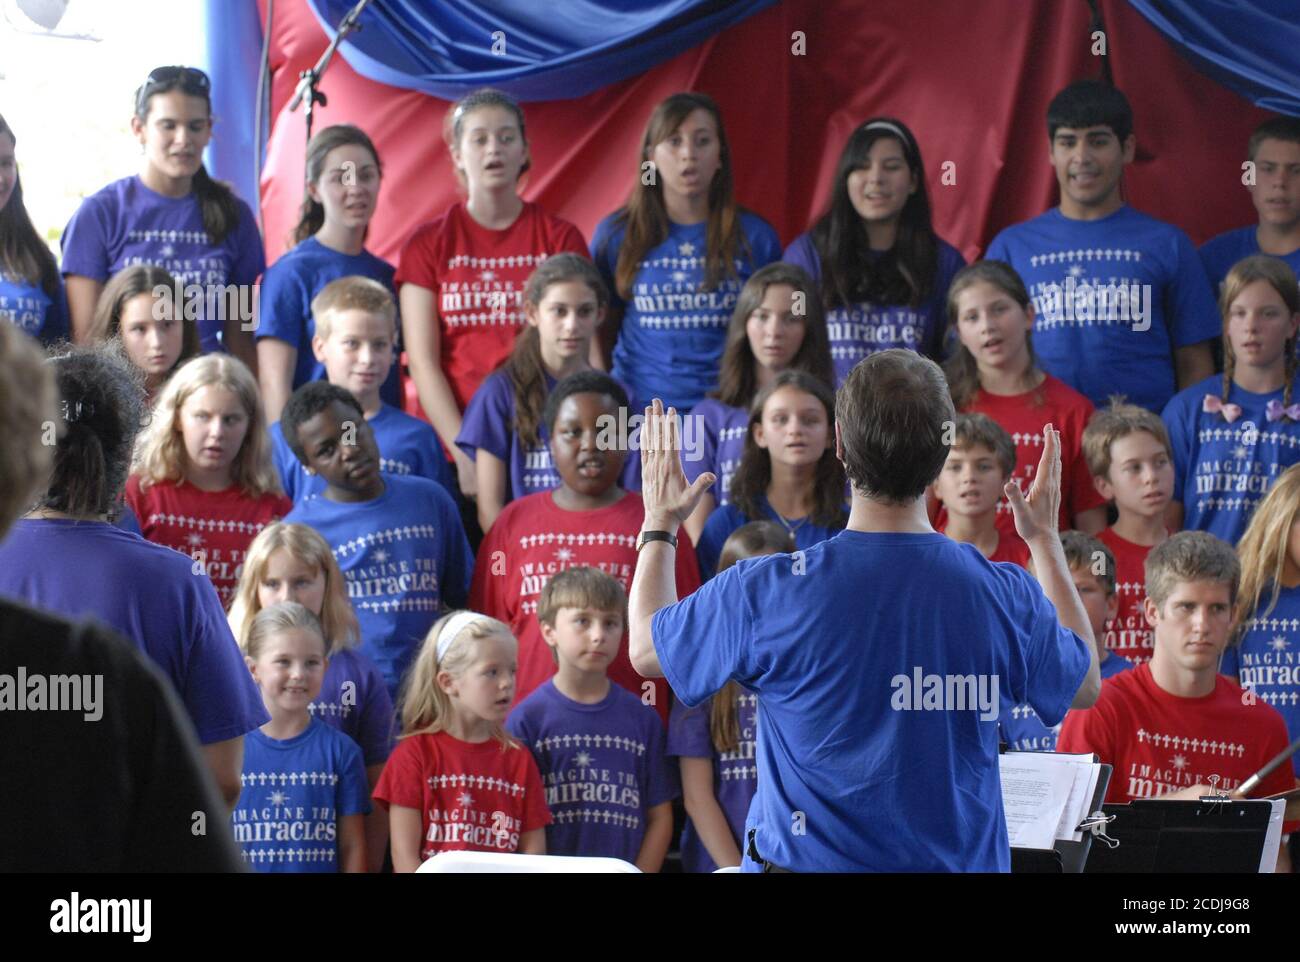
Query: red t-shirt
x=1023, y=416
x=217, y=526
x=477, y=276
x=1011, y=549
x=533, y=539
x=1160, y=743
x=471, y=796
x=1128, y=634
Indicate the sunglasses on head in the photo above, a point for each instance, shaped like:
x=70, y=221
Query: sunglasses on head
x=191, y=80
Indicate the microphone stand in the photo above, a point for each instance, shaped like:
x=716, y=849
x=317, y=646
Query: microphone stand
x=307, y=86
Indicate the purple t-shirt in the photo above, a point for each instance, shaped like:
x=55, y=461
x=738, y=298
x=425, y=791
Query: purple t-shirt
x=294, y=792
x=721, y=430
x=354, y=699
x=735, y=773
x=857, y=330
x=408, y=447
x=126, y=223
x=603, y=766
x=150, y=594
x=285, y=308
x=31, y=307
x=489, y=423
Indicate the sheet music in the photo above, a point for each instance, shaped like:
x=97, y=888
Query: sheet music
x=1273, y=840
x=1034, y=797
x=1086, y=774
x=1045, y=795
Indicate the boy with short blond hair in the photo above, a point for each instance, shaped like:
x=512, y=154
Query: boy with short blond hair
x=1132, y=465
x=355, y=341
x=601, y=751
x=981, y=459
x=1173, y=723
x=1092, y=569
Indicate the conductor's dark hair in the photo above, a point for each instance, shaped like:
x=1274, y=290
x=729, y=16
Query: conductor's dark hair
x=582, y=382
x=895, y=418
x=101, y=410
x=1090, y=103
x=307, y=402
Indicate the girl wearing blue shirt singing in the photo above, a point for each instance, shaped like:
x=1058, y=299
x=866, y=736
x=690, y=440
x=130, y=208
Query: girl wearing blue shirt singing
x=676, y=254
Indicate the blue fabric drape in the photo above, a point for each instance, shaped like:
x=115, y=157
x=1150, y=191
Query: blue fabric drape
x=234, y=51
x=1250, y=46
x=535, y=49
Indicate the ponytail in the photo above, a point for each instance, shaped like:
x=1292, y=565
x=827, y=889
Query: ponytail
x=102, y=406
x=218, y=204
x=528, y=378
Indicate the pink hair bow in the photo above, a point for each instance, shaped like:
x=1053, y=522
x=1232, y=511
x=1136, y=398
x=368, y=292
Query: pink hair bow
x=1274, y=411
x=1214, y=404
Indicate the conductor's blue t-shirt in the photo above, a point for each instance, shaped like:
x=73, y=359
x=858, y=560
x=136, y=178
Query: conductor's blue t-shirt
x=860, y=767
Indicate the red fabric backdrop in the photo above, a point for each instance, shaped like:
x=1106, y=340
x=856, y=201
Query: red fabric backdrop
x=972, y=80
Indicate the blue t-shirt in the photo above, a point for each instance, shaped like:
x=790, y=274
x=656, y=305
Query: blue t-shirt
x=126, y=223
x=1222, y=469
x=860, y=329
x=404, y=556
x=354, y=699
x=735, y=773
x=673, y=332
x=851, y=775
x=407, y=447
x=1218, y=254
x=1265, y=663
x=603, y=767
x=288, y=287
x=294, y=792
x=489, y=423
x=729, y=517
x=1023, y=731
x=30, y=307
x=1085, y=333
x=721, y=430
x=150, y=594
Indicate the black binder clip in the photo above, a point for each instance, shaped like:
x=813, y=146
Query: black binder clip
x=1096, y=824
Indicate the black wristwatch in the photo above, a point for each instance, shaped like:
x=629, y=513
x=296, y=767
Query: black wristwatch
x=647, y=536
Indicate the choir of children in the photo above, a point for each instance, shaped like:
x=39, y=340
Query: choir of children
x=520, y=723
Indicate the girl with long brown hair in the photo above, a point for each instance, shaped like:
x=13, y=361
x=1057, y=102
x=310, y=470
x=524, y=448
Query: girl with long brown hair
x=676, y=254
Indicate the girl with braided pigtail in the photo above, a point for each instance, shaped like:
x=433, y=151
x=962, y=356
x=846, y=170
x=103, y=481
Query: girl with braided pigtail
x=1233, y=436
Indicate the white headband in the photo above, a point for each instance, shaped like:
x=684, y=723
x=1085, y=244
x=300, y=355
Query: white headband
x=452, y=628
x=892, y=128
